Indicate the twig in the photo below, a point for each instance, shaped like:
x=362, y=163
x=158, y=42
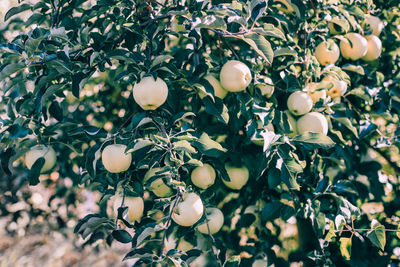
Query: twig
x=178, y=196
x=51, y=58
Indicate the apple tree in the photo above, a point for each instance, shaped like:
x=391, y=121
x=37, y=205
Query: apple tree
x=251, y=133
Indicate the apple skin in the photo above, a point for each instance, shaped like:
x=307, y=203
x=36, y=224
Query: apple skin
x=215, y=221
x=373, y=24
x=339, y=87
x=204, y=176
x=299, y=103
x=313, y=90
x=235, y=76
x=267, y=87
x=327, y=52
x=374, y=48
x=219, y=91
x=313, y=122
x=149, y=94
x=135, y=207
x=188, y=210
x=353, y=46
x=158, y=187
x=238, y=176
x=39, y=151
x=114, y=158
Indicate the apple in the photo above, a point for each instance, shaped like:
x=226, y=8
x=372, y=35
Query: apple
x=41, y=151
x=238, y=176
x=218, y=90
x=260, y=263
x=215, y=221
x=114, y=158
x=183, y=245
x=353, y=46
x=374, y=48
x=339, y=87
x=299, y=103
x=267, y=87
x=149, y=94
x=235, y=76
x=374, y=24
x=135, y=207
x=292, y=124
x=188, y=210
x=316, y=91
x=204, y=176
x=158, y=187
x=327, y=52
x=313, y=122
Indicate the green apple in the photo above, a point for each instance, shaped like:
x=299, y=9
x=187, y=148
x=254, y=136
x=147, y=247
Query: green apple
x=260, y=263
x=353, y=46
x=114, y=158
x=374, y=24
x=339, y=87
x=299, y=103
x=327, y=52
x=235, y=76
x=238, y=176
x=313, y=122
x=204, y=176
x=188, y=210
x=41, y=151
x=374, y=48
x=149, y=94
x=158, y=187
x=215, y=221
x=135, y=207
x=219, y=91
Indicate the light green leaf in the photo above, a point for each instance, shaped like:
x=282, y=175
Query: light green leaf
x=378, y=237
x=314, y=140
x=260, y=45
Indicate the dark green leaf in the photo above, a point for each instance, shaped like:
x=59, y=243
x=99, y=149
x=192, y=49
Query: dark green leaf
x=312, y=141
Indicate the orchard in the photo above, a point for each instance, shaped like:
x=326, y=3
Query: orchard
x=211, y=133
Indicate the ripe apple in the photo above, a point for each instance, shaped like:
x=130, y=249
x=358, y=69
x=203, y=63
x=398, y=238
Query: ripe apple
x=238, y=176
x=235, y=76
x=114, y=158
x=313, y=122
x=204, y=176
x=292, y=124
x=327, y=52
x=188, y=210
x=374, y=48
x=215, y=221
x=267, y=87
x=353, y=46
x=218, y=90
x=260, y=263
x=299, y=103
x=149, y=94
x=374, y=24
x=339, y=87
x=135, y=207
x=316, y=91
x=158, y=187
x=41, y=151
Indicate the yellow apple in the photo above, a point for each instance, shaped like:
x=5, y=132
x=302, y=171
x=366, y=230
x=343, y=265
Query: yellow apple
x=353, y=46
x=235, y=76
x=327, y=52
x=373, y=24
x=158, y=187
x=374, y=48
x=215, y=221
x=204, y=176
x=114, y=158
x=149, y=94
x=313, y=122
x=135, y=207
x=238, y=176
x=299, y=103
x=267, y=87
x=188, y=210
x=218, y=90
x=316, y=91
x=41, y=151
x=339, y=87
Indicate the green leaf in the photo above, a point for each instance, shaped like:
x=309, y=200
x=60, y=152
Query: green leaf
x=209, y=147
x=285, y=51
x=122, y=236
x=289, y=168
x=16, y=10
x=184, y=145
x=210, y=22
x=357, y=69
x=378, y=237
x=56, y=111
x=260, y=45
x=139, y=253
x=312, y=141
x=11, y=69
x=257, y=8
x=216, y=108
x=143, y=233
x=78, y=81
x=347, y=123
x=34, y=172
x=233, y=261
x=345, y=247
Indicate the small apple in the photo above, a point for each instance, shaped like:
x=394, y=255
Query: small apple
x=238, y=176
x=41, y=151
x=353, y=46
x=218, y=90
x=374, y=48
x=204, y=176
x=149, y=94
x=316, y=91
x=135, y=207
x=267, y=87
x=260, y=263
x=114, y=158
x=339, y=87
x=313, y=122
x=299, y=103
x=292, y=124
x=158, y=187
x=215, y=221
x=188, y=210
x=374, y=24
x=235, y=76
x=327, y=52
